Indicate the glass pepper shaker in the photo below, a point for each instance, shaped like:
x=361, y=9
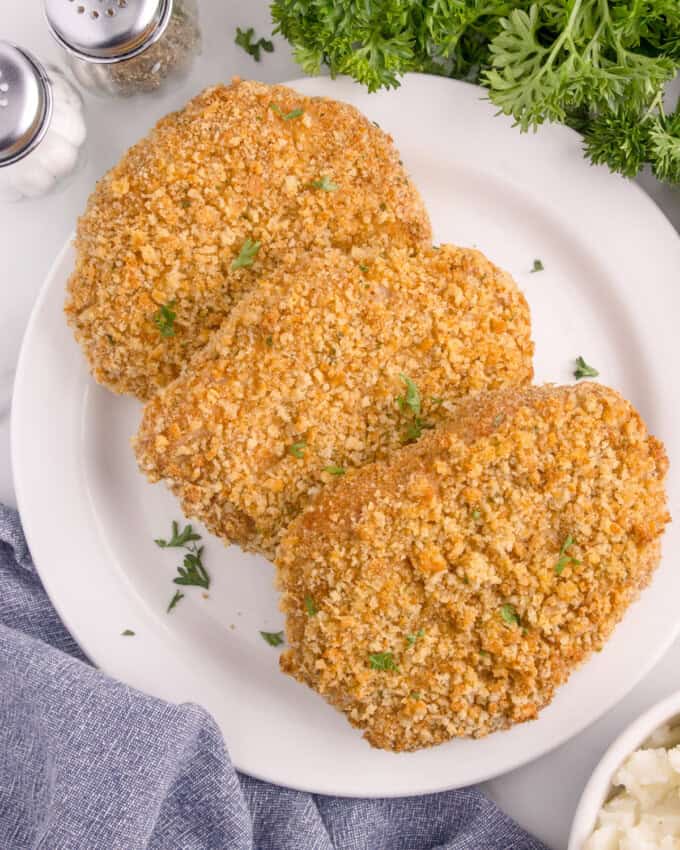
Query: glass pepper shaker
x=126, y=47
x=42, y=127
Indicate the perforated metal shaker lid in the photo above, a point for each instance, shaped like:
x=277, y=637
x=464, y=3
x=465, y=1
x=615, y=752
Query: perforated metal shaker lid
x=107, y=31
x=25, y=103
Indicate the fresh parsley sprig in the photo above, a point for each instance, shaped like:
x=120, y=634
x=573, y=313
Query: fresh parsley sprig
x=192, y=572
x=246, y=256
x=272, y=638
x=325, y=184
x=509, y=614
x=287, y=116
x=244, y=39
x=565, y=559
x=164, y=319
x=382, y=661
x=411, y=403
x=178, y=538
x=597, y=65
x=583, y=370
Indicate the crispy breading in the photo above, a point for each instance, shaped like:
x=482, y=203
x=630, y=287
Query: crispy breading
x=305, y=375
x=246, y=161
x=488, y=561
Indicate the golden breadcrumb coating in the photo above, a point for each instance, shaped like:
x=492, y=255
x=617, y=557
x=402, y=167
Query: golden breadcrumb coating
x=242, y=162
x=305, y=374
x=477, y=568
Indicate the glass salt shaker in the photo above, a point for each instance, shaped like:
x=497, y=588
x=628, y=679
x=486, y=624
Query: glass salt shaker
x=126, y=47
x=42, y=127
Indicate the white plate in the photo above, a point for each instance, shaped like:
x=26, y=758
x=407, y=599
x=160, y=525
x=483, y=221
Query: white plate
x=610, y=291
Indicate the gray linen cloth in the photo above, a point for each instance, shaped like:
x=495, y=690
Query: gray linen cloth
x=87, y=763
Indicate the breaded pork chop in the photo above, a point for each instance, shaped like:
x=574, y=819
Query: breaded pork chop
x=448, y=590
x=244, y=178
x=324, y=367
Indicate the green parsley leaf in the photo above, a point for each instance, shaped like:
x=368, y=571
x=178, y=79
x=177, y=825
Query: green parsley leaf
x=537, y=267
x=382, y=661
x=415, y=695
x=599, y=66
x=484, y=654
x=185, y=203
x=412, y=397
x=289, y=116
x=436, y=400
x=175, y=599
x=509, y=614
x=363, y=267
x=312, y=610
x=164, y=319
x=564, y=558
x=244, y=39
x=298, y=449
x=179, y=538
x=325, y=184
x=128, y=633
x=411, y=639
x=498, y=419
x=246, y=256
x=334, y=470
x=192, y=572
x=476, y=514
x=269, y=342
x=414, y=430
x=273, y=638
x=583, y=370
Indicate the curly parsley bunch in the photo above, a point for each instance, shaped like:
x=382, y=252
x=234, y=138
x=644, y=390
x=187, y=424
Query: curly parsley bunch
x=597, y=65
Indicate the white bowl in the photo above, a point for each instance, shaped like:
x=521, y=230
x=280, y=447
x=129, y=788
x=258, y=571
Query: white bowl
x=600, y=783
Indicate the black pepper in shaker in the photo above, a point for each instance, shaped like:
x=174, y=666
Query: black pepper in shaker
x=126, y=47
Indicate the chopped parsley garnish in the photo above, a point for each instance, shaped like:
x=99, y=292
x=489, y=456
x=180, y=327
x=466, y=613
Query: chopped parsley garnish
x=185, y=203
x=382, y=661
x=476, y=514
x=415, y=695
x=412, y=638
x=325, y=184
x=334, y=470
x=411, y=401
x=312, y=610
x=246, y=256
x=244, y=39
x=179, y=538
x=273, y=638
x=128, y=633
x=363, y=267
x=537, y=266
x=509, y=614
x=498, y=419
x=412, y=397
x=484, y=654
x=164, y=319
x=415, y=429
x=269, y=342
x=583, y=370
x=564, y=558
x=436, y=400
x=298, y=449
x=192, y=572
x=288, y=116
x=175, y=599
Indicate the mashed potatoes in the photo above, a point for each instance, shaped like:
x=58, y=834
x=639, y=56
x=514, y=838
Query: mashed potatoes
x=644, y=811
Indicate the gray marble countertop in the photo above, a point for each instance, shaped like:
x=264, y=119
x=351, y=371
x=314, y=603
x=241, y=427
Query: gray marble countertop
x=542, y=795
